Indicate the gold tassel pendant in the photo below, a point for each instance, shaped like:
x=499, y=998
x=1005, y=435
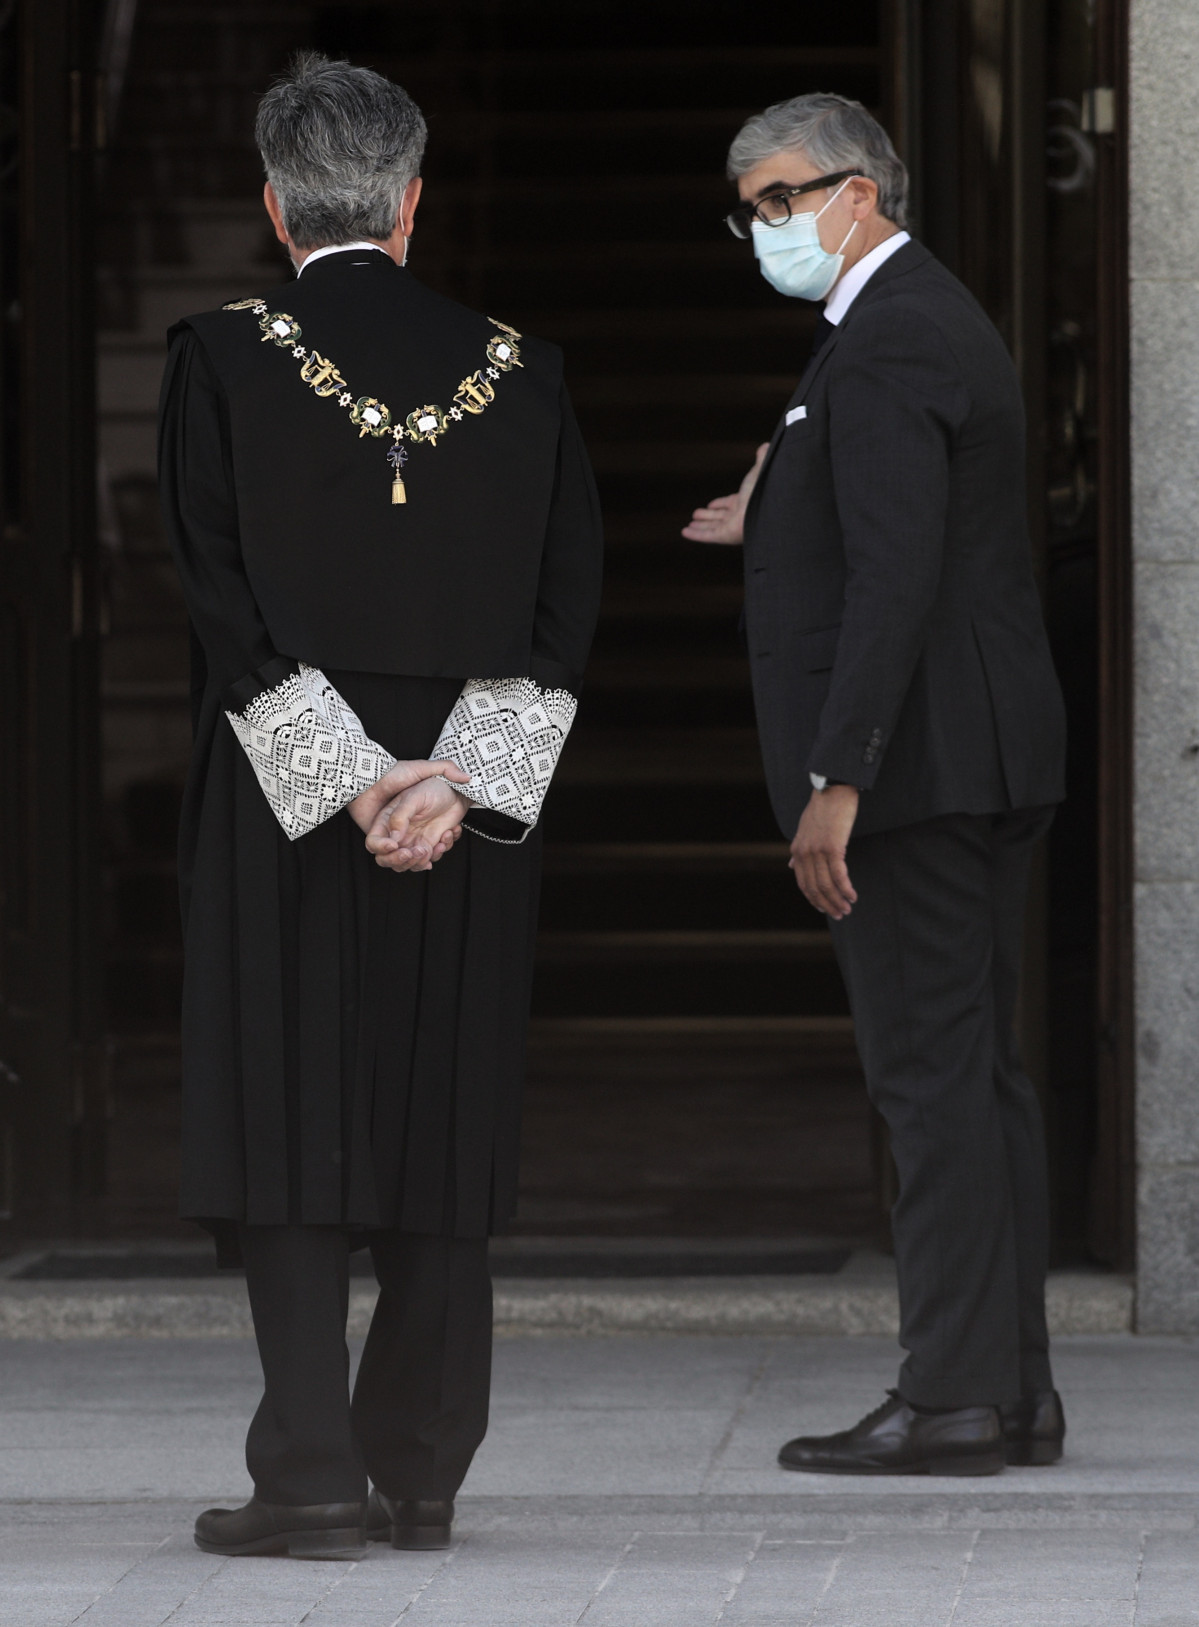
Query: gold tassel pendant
x=398, y=457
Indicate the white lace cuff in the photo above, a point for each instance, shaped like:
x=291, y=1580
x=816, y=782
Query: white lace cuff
x=507, y=733
x=308, y=750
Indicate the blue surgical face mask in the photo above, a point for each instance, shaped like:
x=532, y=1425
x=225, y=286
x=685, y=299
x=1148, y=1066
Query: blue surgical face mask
x=793, y=259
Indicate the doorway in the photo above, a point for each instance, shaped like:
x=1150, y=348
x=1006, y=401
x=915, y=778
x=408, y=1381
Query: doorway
x=691, y=1064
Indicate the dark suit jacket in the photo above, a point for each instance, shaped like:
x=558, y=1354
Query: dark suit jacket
x=894, y=626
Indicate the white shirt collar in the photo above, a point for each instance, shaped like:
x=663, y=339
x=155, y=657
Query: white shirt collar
x=854, y=280
x=340, y=248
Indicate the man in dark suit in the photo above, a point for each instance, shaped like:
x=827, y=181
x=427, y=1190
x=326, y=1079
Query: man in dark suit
x=912, y=730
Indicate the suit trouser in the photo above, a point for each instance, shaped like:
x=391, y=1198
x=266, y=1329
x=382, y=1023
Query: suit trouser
x=931, y=958
x=420, y=1402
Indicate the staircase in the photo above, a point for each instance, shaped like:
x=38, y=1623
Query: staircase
x=691, y=1064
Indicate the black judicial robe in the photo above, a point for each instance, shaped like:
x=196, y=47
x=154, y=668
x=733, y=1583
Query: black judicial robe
x=353, y=1038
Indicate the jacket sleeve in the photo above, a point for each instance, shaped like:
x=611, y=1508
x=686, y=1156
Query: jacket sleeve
x=306, y=747
x=508, y=732
x=896, y=404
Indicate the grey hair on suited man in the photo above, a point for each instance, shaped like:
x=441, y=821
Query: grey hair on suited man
x=339, y=144
x=835, y=134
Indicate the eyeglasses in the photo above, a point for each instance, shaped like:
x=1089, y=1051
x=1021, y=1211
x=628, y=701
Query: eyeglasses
x=775, y=210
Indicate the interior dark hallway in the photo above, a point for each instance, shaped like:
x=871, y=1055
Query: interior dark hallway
x=691, y=1063
x=691, y=1068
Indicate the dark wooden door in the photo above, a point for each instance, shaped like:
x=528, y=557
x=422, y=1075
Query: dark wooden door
x=1012, y=117
x=51, y=1049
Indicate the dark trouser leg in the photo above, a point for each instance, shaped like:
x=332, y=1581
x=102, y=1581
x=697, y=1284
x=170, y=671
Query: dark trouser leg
x=920, y=953
x=1015, y=837
x=301, y=1447
x=421, y=1397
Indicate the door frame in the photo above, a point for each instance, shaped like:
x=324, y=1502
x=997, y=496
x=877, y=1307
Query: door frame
x=997, y=246
x=52, y=1072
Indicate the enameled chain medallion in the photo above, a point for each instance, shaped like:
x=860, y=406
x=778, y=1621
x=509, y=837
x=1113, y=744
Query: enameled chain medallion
x=368, y=414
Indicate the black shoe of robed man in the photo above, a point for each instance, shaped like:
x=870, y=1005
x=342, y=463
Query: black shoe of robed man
x=1035, y=1429
x=309, y=1531
x=896, y=1439
x=409, y=1522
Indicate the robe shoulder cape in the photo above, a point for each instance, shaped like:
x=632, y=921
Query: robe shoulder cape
x=446, y=583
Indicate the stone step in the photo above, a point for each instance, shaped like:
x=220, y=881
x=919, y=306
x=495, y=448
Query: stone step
x=861, y=1298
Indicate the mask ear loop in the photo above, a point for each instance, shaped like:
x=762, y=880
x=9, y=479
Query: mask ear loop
x=836, y=195
x=829, y=204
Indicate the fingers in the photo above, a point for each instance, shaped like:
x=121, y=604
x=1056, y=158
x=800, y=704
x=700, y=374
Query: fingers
x=401, y=776
x=825, y=886
x=825, y=889
x=447, y=841
x=823, y=878
x=449, y=771
x=716, y=523
x=415, y=843
x=380, y=837
x=415, y=854
x=710, y=527
x=839, y=880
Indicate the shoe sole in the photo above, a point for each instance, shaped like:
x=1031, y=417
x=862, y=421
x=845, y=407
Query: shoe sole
x=1034, y=1454
x=345, y=1543
x=982, y=1464
x=411, y=1538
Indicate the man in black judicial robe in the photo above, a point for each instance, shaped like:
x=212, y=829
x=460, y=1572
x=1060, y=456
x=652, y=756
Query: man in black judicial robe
x=388, y=538
x=912, y=730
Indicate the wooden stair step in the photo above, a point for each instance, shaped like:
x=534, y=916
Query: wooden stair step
x=687, y=757
x=655, y=858
x=637, y=1033
x=663, y=945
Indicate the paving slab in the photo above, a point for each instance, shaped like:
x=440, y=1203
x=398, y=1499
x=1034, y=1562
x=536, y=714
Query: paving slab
x=626, y=1481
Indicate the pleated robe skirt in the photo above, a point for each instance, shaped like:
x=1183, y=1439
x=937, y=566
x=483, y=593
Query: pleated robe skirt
x=353, y=1039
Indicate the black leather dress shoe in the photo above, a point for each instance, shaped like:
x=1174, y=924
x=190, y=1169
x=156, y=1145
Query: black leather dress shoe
x=1034, y=1429
x=309, y=1531
x=896, y=1439
x=409, y=1522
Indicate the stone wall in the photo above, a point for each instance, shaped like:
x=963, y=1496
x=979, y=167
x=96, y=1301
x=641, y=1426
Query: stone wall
x=1164, y=264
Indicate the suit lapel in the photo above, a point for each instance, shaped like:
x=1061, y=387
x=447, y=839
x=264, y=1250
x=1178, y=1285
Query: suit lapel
x=906, y=259
x=806, y=379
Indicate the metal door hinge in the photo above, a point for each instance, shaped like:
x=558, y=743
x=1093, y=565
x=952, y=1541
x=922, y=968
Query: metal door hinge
x=1098, y=115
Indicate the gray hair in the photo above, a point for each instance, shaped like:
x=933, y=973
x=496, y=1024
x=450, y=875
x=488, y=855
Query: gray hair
x=836, y=134
x=339, y=144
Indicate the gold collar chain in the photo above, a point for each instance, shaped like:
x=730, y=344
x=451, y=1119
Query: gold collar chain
x=370, y=415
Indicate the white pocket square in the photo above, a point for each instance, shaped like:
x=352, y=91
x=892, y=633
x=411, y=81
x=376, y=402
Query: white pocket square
x=796, y=414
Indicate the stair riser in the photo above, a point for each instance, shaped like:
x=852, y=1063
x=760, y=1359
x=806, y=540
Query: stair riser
x=599, y=813
x=701, y=901
x=649, y=989
x=637, y=708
